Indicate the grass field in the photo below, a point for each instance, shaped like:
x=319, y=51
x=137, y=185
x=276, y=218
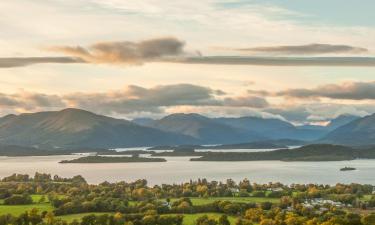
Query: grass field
x=203, y=201
x=71, y=217
x=189, y=219
x=36, y=198
x=18, y=209
x=366, y=197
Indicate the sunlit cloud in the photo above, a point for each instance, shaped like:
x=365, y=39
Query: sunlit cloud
x=310, y=49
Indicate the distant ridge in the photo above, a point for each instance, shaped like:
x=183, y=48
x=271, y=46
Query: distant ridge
x=75, y=127
x=207, y=130
x=360, y=132
x=70, y=128
x=231, y=130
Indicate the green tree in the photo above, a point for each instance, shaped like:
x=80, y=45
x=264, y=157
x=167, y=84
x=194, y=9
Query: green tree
x=223, y=220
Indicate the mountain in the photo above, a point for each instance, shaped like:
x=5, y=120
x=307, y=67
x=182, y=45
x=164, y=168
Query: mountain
x=227, y=130
x=271, y=128
x=74, y=127
x=207, y=130
x=146, y=122
x=357, y=132
x=341, y=120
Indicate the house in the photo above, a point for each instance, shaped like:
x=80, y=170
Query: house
x=277, y=189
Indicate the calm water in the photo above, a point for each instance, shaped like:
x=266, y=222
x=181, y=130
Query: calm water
x=207, y=150
x=179, y=169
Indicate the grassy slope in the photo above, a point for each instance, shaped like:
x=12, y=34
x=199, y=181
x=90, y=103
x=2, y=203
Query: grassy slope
x=71, y=217
x=202, y=201
x=189, y=219
x=18, y=209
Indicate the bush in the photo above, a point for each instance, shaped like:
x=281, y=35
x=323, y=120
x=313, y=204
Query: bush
x=18, y=200
x=259, y=194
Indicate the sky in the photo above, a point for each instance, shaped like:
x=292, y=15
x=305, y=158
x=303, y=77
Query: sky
x=301, y=61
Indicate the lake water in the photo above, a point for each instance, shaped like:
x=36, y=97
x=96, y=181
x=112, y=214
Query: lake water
x=180, y=169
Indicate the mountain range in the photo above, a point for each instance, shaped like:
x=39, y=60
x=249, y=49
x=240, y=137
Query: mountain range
x=75, y=128
x=360, y=132
x=70, y=128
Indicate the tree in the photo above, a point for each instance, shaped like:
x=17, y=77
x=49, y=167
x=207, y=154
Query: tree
x=254, y=214
x=184, y=207
x=267, y=222
x=50, y=218
x=369, y=219
x=205, y=220
x=223, y=220
x=34, y=217
x=42, y=199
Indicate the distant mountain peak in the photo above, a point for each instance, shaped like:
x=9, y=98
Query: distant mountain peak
x=341, y=120
x=76, y=127
x=359, y=131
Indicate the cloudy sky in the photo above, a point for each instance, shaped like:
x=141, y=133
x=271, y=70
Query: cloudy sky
x=299, y=60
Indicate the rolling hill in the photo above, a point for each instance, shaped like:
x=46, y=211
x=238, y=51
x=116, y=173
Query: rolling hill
x=74, y=127
x=358, y=132
x=205, y=129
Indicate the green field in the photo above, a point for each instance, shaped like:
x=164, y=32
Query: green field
x=366, y=197
x=189, y=219
x=18, y=209
x=71, y=217
x=203, y=201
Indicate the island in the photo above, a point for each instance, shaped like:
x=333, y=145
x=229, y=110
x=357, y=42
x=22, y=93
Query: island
x=347, y=168
x=107, y=159
x=314, y=152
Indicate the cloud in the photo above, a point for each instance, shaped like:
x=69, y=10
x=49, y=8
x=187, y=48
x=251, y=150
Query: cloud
x=346, y=90
x=319, y=112
x=171, y=50
x=25, y=61
x=139, y=99
x=156, y=99
x=126, y=52
x=281, y=61
x=131, y=100
x=246, y=101
x=311, y=49
x=26, y=101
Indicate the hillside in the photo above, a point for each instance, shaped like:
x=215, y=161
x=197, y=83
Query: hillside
x=357, y=132
x=205, y=129
x=74, y=127
x=272, y=128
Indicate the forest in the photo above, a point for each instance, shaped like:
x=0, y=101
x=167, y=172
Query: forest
x=47, y=199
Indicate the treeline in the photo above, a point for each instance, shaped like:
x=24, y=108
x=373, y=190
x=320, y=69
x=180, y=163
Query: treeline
x=318, y=152
x=40, y=177
x=34, y=217
x=107, y=159
x=300, y=215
